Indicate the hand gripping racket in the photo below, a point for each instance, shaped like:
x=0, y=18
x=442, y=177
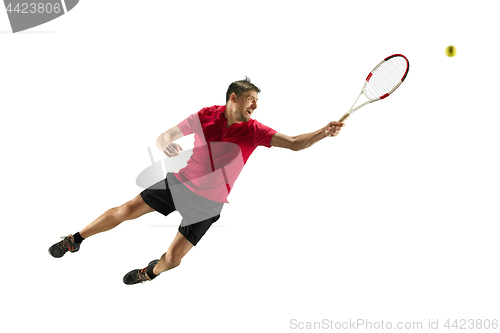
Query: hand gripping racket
x=382, y=81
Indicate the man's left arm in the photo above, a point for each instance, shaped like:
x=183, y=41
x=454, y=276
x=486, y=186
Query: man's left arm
x=304, y=141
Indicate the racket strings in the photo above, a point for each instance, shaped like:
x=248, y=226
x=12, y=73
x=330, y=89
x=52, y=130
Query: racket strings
x=386, y=77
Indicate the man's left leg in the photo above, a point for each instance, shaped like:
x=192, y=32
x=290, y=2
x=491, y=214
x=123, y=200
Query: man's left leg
x=172, y=258
x=188, y=235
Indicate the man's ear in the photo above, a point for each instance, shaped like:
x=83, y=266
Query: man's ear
x=232, y=98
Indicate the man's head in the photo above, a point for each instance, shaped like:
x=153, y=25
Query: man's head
x=239, y=87
x=242, y=97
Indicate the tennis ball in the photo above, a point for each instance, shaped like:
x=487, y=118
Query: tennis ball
x=451, y=51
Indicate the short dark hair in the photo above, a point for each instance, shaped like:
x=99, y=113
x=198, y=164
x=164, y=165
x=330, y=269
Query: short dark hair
x=239, y=87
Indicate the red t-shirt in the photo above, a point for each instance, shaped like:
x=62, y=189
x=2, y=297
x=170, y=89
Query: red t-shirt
x=220, y=152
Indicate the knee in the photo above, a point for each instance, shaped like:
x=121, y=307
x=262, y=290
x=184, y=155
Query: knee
x=173, y=258
x=123, y=212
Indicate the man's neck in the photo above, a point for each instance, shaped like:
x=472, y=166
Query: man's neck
x=231, y=118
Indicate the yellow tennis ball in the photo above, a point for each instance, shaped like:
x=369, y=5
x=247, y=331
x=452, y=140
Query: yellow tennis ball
x=451, y=51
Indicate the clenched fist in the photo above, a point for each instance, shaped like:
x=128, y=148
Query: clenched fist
x=333, y=128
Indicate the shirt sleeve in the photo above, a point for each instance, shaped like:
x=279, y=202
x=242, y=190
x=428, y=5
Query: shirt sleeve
x=263, y=135
x=191, y=124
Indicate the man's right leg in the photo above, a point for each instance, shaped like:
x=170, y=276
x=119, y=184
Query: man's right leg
x=108, y=220
x=114, y=216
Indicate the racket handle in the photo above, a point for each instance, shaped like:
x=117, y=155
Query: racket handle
x=344, y=117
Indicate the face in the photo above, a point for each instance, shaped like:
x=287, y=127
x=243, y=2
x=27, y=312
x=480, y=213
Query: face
x=245, y=105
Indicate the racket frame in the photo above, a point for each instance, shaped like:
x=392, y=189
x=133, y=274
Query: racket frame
x=363, y=90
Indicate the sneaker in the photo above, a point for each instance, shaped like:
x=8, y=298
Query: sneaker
x=138, y=275
x=67, y=244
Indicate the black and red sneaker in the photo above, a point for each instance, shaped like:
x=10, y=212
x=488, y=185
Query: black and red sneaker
x=67, y=244
x=139, y=275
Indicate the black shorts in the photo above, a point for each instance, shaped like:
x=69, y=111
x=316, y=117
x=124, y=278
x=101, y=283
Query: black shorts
x=198, y=213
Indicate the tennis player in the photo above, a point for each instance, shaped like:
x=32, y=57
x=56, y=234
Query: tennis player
x=225, y=137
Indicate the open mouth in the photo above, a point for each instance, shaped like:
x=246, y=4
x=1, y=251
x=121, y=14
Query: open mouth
x=249, y=112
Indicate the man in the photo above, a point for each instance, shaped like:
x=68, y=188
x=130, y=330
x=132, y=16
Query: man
x=225, y=137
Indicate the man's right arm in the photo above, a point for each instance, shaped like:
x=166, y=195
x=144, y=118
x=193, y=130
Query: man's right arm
x=165, y=142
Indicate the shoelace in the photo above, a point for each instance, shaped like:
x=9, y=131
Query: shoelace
x=65, y=243
x=143, y=275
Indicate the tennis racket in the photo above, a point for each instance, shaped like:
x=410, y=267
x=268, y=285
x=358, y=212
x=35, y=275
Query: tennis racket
x=382, y=81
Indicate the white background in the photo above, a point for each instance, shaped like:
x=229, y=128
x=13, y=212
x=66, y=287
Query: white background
x=396, y=219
